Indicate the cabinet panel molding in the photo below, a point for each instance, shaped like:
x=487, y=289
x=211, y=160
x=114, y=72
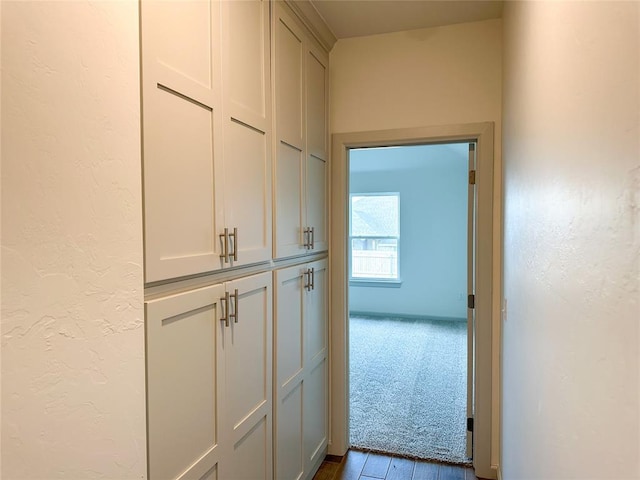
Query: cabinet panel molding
x=247, y=60
x=289, y=324
x=289, y=206
x=289, y=58
x=247, y=194
x=317, y=92
x=184, y=368
x=289, y=437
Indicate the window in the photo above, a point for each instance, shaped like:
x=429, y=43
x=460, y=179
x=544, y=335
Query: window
x=375, y=236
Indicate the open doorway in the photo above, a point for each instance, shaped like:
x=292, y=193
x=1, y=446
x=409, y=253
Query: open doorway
x=485, y=384
x=409, y=277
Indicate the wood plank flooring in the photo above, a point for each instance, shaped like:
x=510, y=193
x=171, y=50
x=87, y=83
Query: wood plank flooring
x=356, y=465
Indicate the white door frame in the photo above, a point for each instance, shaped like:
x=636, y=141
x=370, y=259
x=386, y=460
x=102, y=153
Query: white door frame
x=482, y=133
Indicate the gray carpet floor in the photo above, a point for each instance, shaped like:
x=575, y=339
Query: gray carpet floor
x=408, y=381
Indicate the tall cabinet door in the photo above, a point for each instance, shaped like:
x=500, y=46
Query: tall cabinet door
x=182, y=106
x=247, y=128
x=290, y=165
x=301, y=370
x=247, y=345
x=184, y=374
x=289, y=297
x=317, y=89
x=316, y=365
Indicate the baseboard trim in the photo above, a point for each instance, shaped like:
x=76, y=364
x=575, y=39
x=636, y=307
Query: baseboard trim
x=333, y=458
x=405, y=316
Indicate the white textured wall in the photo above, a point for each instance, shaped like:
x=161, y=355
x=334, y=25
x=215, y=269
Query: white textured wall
x=433, y=76
x=572, y=239
x=72, y=293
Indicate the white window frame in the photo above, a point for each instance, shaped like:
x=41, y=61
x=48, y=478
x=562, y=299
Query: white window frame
x=373, y=281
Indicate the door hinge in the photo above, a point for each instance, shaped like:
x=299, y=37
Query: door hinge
x=471, y=301
x=472, y=177
x=470, y=424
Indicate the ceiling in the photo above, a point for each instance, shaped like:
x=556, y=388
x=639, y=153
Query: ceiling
x=356, y=18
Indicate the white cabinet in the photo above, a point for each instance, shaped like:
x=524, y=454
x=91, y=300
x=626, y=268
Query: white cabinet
x=301, y=369
x=211, y=165
x=209, y=382
x=301, y=141
x=206, y=136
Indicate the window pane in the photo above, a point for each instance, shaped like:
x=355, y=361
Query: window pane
x=374, y=258
x=375, y=216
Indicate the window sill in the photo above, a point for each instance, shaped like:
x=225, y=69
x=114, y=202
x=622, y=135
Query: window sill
x=375, y=283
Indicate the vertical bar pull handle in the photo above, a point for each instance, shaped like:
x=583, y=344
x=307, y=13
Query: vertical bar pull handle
x=235, y=244
x=313, y=279
x=235, y=297
x=225, y=309
x=225, y=245
x=307, y=280
x=305, y=237
x=313, y=238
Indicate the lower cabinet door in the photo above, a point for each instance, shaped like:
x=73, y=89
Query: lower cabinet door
x=184, y=369
x=248, y=404
x=316, y=366
x=289, y=374
x=301, y=371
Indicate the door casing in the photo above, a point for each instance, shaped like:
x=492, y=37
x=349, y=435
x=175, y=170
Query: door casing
x=482, y=134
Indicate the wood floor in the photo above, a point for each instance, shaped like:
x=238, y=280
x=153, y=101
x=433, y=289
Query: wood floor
x=357, y=465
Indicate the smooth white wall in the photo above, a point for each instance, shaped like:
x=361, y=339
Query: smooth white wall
x=73, y=402
x=432, y=182
x=572, y=236
x=432, y=76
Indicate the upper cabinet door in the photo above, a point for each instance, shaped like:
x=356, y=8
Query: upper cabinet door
x=247, y=129
x=317, y=90
x=181, y=85
x=301, y=138
x=290, y=164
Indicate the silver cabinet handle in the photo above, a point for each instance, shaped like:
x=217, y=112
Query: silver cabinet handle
x=306, y=243
x=307, y=281
x=313, y=238
x=225, y=245
x=235, y=297
x=225, y=309
x=311, y=277
x=235, y=244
